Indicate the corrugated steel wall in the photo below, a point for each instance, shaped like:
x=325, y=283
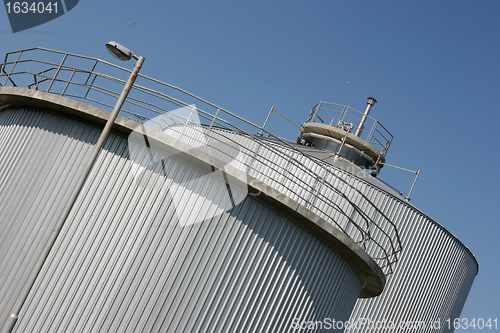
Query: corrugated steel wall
x=35, y=183
x=431, y=281
x=124, y=263
x=434, y=272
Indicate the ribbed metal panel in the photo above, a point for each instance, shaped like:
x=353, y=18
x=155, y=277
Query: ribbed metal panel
x=433, y=275
x=431, y=281
x=39, y=164
x=435, y=270
x=124, y=262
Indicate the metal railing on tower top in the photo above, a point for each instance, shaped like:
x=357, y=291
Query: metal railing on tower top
x=372, y=130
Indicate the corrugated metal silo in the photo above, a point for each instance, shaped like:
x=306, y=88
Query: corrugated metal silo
x=186, y=227
x=188, y=222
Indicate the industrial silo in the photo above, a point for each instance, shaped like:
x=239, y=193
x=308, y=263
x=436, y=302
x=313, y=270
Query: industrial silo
x=188, y=220
x=195, y=220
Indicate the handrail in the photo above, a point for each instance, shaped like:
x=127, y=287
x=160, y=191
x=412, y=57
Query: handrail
x=376, y=135
x=303, y=179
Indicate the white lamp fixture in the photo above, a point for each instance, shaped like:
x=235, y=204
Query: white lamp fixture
x=119, y=51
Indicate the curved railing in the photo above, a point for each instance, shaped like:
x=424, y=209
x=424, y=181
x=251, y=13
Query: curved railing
x=271, y=160
x=372, y=131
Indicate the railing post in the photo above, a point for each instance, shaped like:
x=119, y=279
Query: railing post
x=314, y=112
x=2, y=71
x=35, y=78
x=407, y=198
x=209, y=133
x=265, y=122
x=370, y=135
x=186, y=124
x=213, y=120
x=67, y=83
x=342, y=115
x=12, y=69
x=90, y=74
x=57, y=72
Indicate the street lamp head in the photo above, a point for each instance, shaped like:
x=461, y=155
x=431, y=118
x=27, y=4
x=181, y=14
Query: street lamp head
x=119, y=51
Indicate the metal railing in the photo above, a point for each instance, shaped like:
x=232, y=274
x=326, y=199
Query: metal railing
x=333, y=114
x=152, y=102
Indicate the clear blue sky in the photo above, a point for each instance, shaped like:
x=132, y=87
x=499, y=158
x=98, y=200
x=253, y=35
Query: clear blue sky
x=415, y=57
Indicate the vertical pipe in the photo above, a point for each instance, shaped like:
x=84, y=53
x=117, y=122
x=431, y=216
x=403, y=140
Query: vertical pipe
x=370, y=103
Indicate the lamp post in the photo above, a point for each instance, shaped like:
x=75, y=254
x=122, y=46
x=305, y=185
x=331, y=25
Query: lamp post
x=119, y=52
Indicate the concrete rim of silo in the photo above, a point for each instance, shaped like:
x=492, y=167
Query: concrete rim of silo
x=338, y=134
x=368, y=270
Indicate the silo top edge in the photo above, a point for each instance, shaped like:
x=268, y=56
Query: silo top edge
x=371, y=273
